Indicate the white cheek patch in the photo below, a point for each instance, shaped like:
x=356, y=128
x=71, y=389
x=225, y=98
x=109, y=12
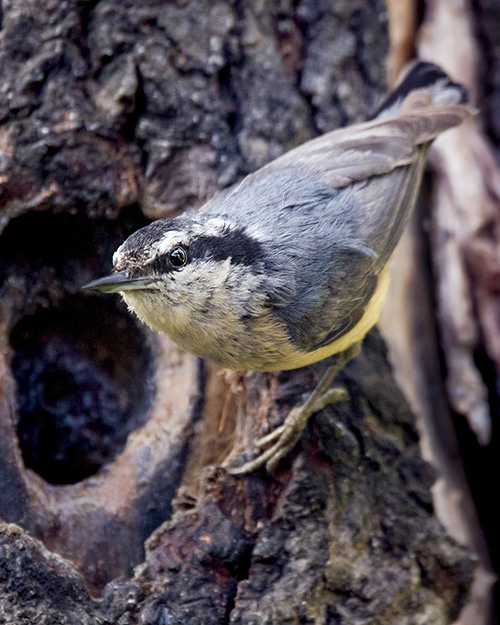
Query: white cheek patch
x=169, y=240
x=199, y=280
x=220, y=271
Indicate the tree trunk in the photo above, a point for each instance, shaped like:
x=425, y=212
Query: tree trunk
x=113, y=114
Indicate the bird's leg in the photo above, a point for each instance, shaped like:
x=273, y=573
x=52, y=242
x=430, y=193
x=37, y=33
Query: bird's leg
x=288, y=434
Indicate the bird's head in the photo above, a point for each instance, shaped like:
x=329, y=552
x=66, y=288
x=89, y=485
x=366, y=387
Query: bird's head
x=189, y=277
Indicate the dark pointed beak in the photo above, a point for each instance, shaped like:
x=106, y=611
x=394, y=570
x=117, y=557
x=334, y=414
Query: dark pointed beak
x=116, y=282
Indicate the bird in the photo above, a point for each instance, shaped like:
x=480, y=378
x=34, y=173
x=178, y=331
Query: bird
x=290, y=266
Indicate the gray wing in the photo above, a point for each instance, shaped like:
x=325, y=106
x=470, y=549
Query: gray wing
x=372, y=148
x=329, y=214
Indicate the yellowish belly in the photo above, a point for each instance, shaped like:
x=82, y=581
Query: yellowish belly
x=267, y=348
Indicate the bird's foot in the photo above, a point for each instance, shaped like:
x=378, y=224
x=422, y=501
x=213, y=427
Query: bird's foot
x=287, y=435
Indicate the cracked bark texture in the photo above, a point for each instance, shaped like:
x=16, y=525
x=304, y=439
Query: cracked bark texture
x=112, y=114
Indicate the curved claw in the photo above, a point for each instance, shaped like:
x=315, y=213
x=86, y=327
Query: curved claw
x=331, y=396
x=269, y=438
x=288, y=434
x=256, y=463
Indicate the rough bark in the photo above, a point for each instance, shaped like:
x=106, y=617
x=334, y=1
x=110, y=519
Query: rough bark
x=115, y=113
x=347, y=534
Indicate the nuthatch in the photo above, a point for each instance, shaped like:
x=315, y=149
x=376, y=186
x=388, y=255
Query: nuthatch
x=290, y=266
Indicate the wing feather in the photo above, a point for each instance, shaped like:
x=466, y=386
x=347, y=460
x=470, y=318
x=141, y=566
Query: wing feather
x=371, y=148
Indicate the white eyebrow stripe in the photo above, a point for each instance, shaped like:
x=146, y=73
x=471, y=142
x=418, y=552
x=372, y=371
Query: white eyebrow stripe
x=214, y=226
x=169, y=239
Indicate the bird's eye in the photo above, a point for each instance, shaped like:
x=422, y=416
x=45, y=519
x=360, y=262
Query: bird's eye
x=178, y=256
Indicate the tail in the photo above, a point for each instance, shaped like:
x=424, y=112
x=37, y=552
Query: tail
x=421, y=85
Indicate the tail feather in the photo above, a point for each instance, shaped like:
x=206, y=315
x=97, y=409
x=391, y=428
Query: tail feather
x=421, y=84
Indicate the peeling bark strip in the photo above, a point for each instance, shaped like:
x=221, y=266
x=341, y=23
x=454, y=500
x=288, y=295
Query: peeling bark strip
x=444, y=277
x=111, y=114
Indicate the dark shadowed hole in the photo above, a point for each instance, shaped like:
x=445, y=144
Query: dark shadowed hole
x=83, y=365
x=83, y=373
x=84, y=383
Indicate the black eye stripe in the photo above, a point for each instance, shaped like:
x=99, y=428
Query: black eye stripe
x=231, y=243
